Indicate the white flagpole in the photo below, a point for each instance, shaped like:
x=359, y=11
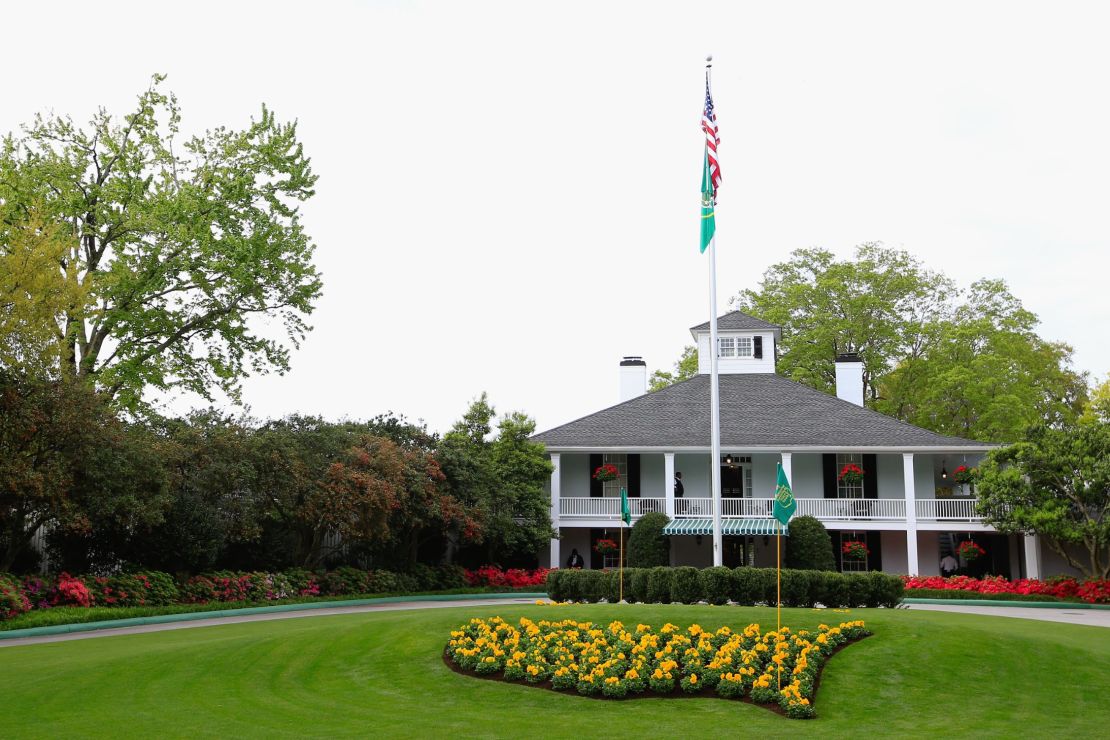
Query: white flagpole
x=714, y=389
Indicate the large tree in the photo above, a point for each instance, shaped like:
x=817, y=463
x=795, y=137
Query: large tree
x=1054, y=483
x=986, y=374
x=170, y=247
x=881, y=304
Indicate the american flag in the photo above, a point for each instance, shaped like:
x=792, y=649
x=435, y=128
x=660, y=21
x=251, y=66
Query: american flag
x=712, y=138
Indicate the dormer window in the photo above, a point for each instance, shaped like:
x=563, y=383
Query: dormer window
x=735, y=346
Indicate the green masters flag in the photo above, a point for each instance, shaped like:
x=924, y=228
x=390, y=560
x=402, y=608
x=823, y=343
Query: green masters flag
x=626, y=513
x=708, y=221
x=785, y=506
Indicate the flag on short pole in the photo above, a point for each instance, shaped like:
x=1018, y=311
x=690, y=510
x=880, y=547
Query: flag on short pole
x=785, y=505
x=626, y=511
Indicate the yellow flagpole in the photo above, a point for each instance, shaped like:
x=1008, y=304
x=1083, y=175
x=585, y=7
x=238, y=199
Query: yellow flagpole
x=778, y=584
x=620, y=533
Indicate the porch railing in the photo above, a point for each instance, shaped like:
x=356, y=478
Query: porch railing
x=607, y=507
x=826, y=509
x=945, y=509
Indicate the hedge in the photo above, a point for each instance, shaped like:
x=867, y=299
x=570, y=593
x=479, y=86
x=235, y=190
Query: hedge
x=941, y=593
x=744, y=586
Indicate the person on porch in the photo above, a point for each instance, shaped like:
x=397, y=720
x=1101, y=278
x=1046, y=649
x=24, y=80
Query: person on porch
x=949, y=565
x=678, y=488
x=575, y=560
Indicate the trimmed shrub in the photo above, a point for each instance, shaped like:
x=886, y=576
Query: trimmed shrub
x=659, y=585
x=859, y=589
x=647, y=547
x=613, y=593
x=886, y=590
x=834, y=590
x=347, y=580
x=555, y=588
x=594, y=585
x=641, y=580
x=303, y=582
x=940, y=593
x=716, y=584
x=746, y=586
x=686, y=585
x=809, y=546
x=796, y=587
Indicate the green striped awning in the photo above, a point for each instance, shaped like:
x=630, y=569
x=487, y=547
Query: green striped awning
x=728, y=526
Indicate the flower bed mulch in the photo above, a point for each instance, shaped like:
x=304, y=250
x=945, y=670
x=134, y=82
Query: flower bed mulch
x=619, y=664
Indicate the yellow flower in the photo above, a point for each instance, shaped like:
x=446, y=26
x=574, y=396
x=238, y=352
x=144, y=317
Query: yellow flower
x=693, y=678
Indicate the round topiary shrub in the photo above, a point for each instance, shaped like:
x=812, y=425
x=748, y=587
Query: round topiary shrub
x=809, y=546
x=648, y=547
x=686, y=586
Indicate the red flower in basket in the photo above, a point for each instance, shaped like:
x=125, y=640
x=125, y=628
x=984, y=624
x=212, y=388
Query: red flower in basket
x=605, y=547
x=969, y=550
x=964, y=474
x=851, y=473
x=608, y=471
x=855, y=550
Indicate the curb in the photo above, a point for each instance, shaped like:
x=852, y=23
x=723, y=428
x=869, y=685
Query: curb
x=63, y=629
x=1023, y=604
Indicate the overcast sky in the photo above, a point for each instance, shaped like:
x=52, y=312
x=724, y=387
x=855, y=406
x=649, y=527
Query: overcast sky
x=508, y=195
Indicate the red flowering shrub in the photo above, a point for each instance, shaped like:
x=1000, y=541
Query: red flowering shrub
x=605, y=472
x=1093, y=592
x=12, y=601
x=491, y=575
x=70, y=591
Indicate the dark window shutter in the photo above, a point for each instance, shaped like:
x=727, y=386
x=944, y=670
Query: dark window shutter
x=596, y=561
x=595, y=485
x=837, y=543
x=757, y=347
x=875, y=545
x=828, y=466
x=870, y=476
x=634, y=476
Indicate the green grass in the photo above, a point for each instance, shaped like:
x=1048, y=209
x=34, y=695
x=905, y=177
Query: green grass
x=79, y=614
x=381, y=674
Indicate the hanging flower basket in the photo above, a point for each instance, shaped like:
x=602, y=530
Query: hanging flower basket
x=851, y=473
x=970, y=550
x=855, y=550
x=605, y=547
x=608, y=471
x=964, y=475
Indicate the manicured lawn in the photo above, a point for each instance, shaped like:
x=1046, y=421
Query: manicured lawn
x=381, y=674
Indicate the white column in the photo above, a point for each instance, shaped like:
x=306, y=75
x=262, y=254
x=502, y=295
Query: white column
x=787, y=458
x=1032, y=556
x=556, y=490
x=911, y=514
x=668, y=482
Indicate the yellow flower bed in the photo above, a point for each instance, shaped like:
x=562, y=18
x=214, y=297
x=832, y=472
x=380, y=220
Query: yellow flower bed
x=615, y=661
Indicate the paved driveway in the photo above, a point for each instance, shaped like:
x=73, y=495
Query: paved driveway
x=1093, y=617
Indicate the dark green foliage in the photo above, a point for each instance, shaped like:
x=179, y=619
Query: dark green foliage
x=614, y=593
x=796, y=588
x=716, y=584
x=746, y=586
x=942, y=593
x=647, y=547
x=809, y=546
x=686, y=586
x=885, y=590
x=859, y=589
x=556, y=588
x=659, y=585
x=594, y=585
x=641, y=584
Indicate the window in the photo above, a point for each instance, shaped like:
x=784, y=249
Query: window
x=845, y=489
x=853, y=565
x=734, y=346
x=736, y=477
x=613, y=487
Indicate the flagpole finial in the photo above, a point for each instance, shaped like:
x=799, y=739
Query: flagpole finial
x=709, y=60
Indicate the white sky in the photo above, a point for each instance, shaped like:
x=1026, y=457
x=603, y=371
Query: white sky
x=508, y=195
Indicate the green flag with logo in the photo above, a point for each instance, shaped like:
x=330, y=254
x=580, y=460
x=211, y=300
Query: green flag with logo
x=626, y=511
x=785, y=505
x=708, y=218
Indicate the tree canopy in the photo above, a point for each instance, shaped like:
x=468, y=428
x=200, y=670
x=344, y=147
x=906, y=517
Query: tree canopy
x=154, y=255
x=1054, y=483
x=962, y=362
